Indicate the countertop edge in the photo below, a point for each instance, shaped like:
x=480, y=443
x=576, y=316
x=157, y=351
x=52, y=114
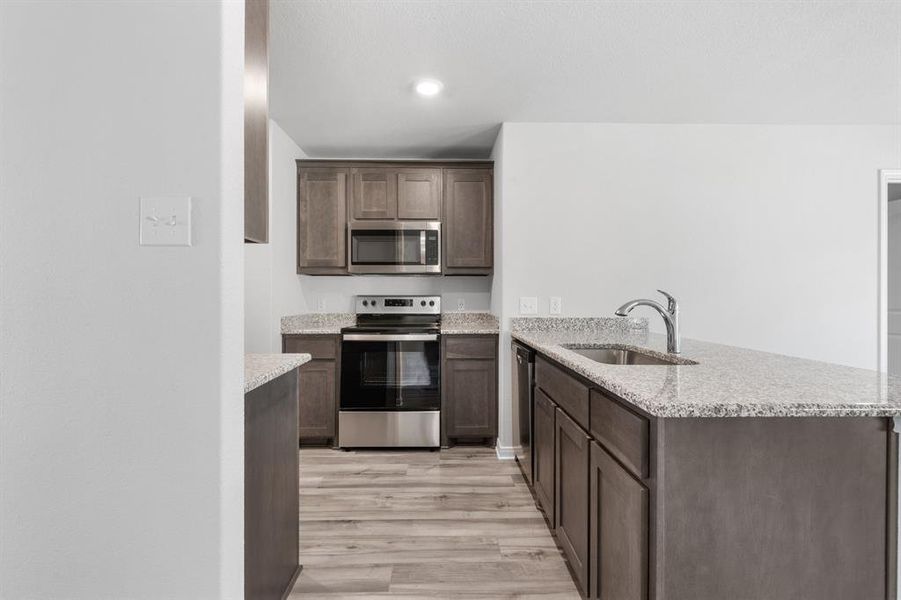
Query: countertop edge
x=737, y=409
x=260, y=369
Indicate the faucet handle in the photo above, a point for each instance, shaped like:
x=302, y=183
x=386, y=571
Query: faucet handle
x=672, y=305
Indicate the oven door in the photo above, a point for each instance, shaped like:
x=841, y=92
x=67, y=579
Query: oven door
x=394, y=247
x=390, y=372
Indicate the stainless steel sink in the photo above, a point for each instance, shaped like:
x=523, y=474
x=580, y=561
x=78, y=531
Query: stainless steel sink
x=612, y=355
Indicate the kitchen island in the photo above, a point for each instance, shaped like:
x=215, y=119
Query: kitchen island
x=271, y=494
x=735, y=474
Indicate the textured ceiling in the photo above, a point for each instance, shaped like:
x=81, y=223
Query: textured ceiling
x=342, y=70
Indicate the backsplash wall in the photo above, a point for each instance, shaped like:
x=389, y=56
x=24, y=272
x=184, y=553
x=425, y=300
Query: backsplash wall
x=336, y=293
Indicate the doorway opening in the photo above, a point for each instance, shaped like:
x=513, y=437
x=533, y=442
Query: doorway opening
x=889, y=334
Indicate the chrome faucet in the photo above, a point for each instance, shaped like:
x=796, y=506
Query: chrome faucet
x=670, y=315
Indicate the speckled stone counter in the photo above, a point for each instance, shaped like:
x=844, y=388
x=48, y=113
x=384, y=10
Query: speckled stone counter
x=469, y=323
x=260, y=369
x=317, y=323
x=727, y=381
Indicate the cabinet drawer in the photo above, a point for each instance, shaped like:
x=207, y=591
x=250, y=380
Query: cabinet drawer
x=319, y=346
x=622, y=432
x=568, y=392
x=470, y=346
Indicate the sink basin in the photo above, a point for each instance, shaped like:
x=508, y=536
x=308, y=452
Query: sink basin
x=611, y=355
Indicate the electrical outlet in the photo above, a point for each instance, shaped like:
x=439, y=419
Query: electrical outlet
x=528, y=305
x=556, y=305
x=461, y=304
x=320, y=305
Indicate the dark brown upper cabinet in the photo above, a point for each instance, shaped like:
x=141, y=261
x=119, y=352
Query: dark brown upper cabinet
x=468, y=222
x=387, y=193
x=256, y=121
x=458, y=194
x=419, y=194
x=374, y=192
x=322, y=220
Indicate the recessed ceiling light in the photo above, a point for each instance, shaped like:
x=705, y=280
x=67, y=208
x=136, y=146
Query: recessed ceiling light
x=429, y=87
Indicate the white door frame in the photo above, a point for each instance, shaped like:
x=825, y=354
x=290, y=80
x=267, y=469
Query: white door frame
x=886, y=176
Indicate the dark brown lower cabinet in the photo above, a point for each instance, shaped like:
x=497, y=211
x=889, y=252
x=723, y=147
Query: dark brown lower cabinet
x=318, y=397
x=572, y=457
x=618, y=523
x=544, y=449
x=271, y=490
x=318, y=380
x=469, y=387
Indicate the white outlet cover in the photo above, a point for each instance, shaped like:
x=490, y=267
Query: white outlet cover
x=461, y=304
x=320, y=305
x=528, y=305
x=165, y=221
x=556, y=305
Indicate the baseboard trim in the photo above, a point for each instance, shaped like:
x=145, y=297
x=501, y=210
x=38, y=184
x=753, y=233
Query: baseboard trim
x=504, y=452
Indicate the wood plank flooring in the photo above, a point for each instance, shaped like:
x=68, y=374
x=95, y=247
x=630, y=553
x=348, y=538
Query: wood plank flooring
x=452, y=524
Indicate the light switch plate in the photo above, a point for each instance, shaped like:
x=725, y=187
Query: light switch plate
x=165, y=221
x=556, y=305
x=528, y=305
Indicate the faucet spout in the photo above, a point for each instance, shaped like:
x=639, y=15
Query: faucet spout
x=670, y=314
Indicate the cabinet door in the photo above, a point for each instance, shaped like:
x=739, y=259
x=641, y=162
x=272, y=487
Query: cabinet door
x=572, y=458
x=471, y=398
x=374, y=191
x=419, y=194
x=317, y=381
x=543, y=447
x=619, y=531
x=321, y=219
x=468, y=221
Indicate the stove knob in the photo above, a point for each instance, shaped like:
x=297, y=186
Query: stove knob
x=422, y=303
x=431, y=303
x=365, y=303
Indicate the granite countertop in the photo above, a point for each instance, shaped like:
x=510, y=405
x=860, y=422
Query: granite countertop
x=469, y=323
x=472, y=323
x=727, y=381
x=260, y=369
x=317, y=323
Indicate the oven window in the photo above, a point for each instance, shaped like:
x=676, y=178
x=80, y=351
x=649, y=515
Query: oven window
x=385, y=247
x=390, y=376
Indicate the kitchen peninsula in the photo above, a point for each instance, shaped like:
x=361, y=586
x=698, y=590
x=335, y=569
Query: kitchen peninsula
x=271, y=491
x=729, y=473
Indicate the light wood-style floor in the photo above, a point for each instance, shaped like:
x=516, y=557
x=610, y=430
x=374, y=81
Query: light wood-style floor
x=452, y=524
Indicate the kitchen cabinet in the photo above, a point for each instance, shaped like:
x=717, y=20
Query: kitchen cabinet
x=331, y=194
x=544, y=449
x=322, y=220
x=271, y=490
x=388, y=193
x=256, y=121
x=374, y=193
x=419, y=194
x=469, y=387
x=468, y=221
x=618, y=525
x=571, y=458
x=656, y=508
x=318, y=385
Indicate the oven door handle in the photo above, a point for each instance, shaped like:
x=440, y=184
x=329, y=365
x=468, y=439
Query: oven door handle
x=398, y=337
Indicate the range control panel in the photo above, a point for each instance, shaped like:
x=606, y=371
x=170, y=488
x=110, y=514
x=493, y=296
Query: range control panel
x=391, y=305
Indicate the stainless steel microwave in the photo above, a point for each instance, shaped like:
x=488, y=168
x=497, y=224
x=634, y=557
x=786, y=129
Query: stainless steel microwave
x=394, y=247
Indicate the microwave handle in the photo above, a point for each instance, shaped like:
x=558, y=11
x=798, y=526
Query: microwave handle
x=422, y=247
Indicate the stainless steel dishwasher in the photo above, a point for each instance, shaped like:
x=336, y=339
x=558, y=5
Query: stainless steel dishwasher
x=523, y=401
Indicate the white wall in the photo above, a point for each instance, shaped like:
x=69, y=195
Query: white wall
x=766, y=234
x=121, y=367
x=274, y=289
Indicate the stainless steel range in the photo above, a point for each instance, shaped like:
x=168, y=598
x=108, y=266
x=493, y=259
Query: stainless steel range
x=391, y=374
